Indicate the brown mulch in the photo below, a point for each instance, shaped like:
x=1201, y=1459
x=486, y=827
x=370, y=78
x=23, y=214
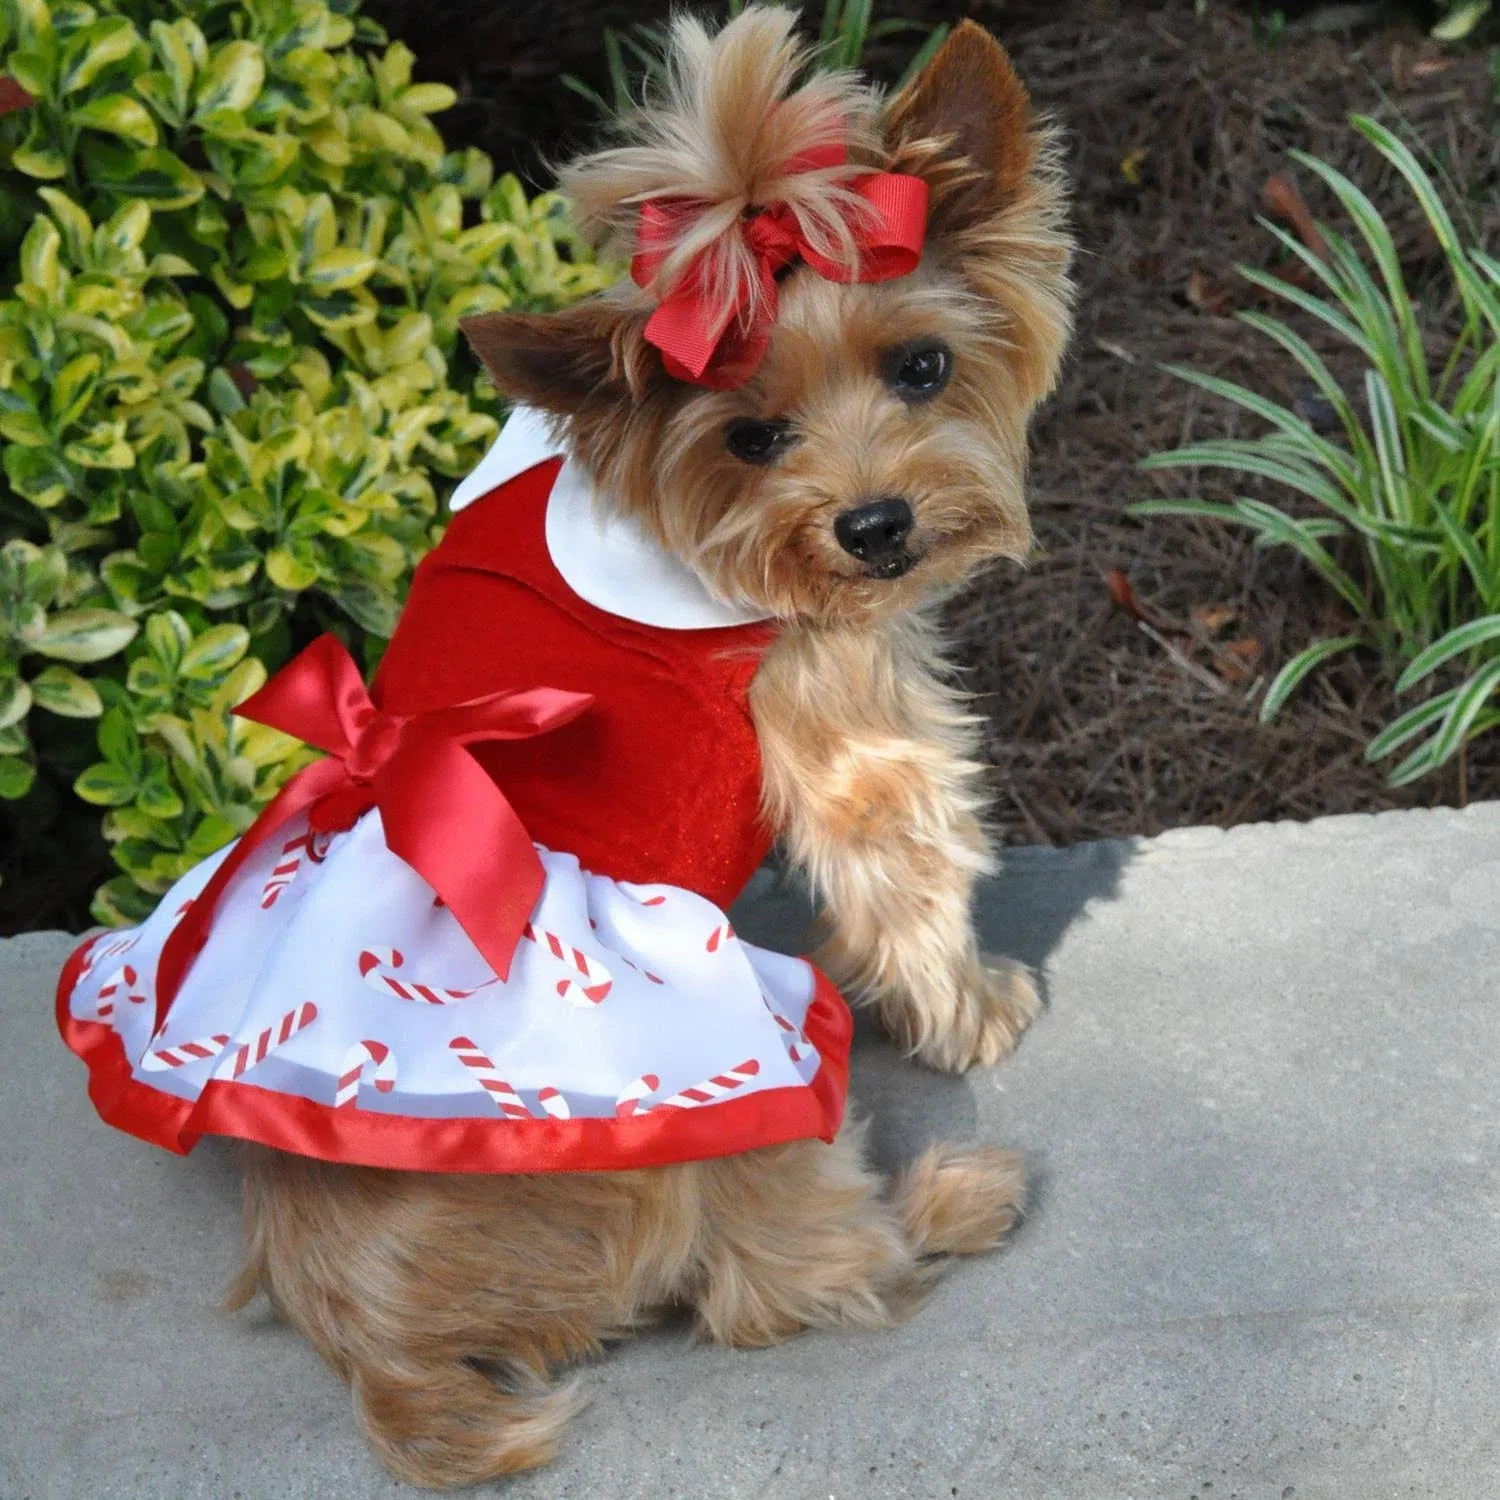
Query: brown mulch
x=1095, y=728
x=1100, y=723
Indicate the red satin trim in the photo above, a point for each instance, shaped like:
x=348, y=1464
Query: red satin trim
x=441, y=812
x=718, y=341
x=288, y=1122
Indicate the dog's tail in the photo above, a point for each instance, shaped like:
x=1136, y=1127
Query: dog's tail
x=464, y=1423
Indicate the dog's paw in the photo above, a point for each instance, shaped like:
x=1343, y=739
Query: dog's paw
x=960, y=1200
x=992, y=1009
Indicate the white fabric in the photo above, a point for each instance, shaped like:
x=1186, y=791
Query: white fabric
x=604, y=557
x=292, y=927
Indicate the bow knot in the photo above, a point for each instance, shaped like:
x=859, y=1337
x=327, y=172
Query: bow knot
x=375, y=740
x=440, y=811
x=715, y=336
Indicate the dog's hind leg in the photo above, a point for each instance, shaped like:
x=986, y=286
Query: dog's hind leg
x=959, y=1200
x=806, y=1236
x=448, y=1302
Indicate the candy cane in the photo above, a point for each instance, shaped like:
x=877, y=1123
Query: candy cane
x=712, y=1088
x=245, y=1056
x=654, y=978
x=185, y=1052
x=374, y=1055
x=372, y=963
x=315, y=845
x=487, y=1076
x=123, y=979
x=717, y=936
x=102, y=950
x=634, y=892
x=793, y=1038
x=554, y=1103
x=599, y=981
x=631, y=1095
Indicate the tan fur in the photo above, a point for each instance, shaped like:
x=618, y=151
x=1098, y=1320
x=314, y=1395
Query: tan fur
x=735, y=111
x=451, y=1304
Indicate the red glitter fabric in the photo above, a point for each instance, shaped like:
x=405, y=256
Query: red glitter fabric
x=660, y=780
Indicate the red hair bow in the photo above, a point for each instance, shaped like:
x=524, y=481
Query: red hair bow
x=441, y=812
x=712, y=339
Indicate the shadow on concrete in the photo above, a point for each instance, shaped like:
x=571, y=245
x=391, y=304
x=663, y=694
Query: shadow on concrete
x=1022, y=913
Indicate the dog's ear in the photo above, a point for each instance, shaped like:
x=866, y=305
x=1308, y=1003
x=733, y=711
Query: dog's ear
x=964, y=123
x=589, y=356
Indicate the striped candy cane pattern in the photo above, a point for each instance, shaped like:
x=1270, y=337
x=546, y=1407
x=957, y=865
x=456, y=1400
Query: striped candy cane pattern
x=313, y=845
x=245, y=1056
x=718, y=937
x=123, y=984
x=554, y=1104
x=638, y=893
x=712, y=1088
x=102, y=952
x=374, y=1056
x=631, y=1095
x=599, y=983
x=654, y=978
x=487, y=1076
x=793, y=1038
x=185, y=1052
x=375, y=965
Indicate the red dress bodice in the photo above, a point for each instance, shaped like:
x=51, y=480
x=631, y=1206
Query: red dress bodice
x=660, y=780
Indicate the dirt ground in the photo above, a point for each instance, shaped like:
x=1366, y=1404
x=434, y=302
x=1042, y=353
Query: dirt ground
x=1098, y=725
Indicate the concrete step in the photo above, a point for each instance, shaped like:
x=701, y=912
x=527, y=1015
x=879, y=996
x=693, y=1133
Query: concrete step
x=1262, y=1117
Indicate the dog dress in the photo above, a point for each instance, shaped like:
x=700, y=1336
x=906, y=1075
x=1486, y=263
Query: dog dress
x=558, y=742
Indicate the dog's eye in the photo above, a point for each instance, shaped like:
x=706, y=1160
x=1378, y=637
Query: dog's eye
x=757, y=442
x=917, y=372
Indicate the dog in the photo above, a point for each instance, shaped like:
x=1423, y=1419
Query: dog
x=870, y=463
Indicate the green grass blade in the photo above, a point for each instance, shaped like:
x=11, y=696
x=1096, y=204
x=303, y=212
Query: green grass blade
x=1458, y=642
x=1315, y=307
x=1409, y=725
x=1310, y=361
x=1308, y=442
x=1373, y=231
x=1477, y=299
x=853, y=27
x=924, y=55
x=1467, y=705
x=1210, y=509
x=1390, y=450
x=584, y=91
x=1486, y=580
x=619, y=74
x=1399, y=154
x=1290, y=677
x=1320, y=269
x=1277, y=526
x=1249, y=458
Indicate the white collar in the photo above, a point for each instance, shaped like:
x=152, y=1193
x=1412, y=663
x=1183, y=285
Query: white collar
x=606, y=558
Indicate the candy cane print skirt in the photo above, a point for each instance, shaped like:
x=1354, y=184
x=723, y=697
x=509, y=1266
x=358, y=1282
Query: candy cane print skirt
x=338, y=1010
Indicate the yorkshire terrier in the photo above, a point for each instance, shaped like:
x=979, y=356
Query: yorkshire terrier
x=873, y=460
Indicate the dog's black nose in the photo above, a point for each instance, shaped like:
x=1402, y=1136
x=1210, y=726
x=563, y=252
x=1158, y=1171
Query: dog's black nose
x=876, y=531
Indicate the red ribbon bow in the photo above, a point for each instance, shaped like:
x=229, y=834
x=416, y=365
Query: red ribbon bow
x=441, y=812
x=720, y=342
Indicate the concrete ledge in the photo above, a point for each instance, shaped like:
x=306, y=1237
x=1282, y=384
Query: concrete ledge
x=1262, y=1115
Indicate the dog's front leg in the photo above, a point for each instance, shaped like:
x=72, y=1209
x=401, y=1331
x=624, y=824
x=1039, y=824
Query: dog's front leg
x=871, y=784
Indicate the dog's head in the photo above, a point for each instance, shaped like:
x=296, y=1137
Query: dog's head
x=876, y=455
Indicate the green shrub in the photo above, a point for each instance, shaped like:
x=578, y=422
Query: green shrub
x=1409, y=487
x=233, y=257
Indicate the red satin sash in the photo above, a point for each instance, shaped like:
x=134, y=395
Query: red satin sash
x=441, y=812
